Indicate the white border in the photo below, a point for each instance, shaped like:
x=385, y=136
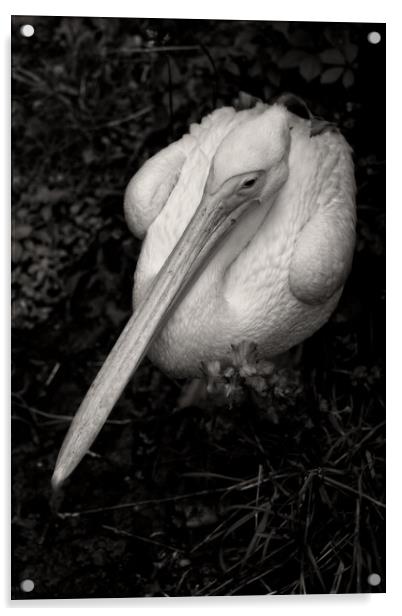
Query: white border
x=306, y=10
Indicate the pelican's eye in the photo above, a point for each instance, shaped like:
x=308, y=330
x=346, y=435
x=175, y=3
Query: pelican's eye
x=248, y=183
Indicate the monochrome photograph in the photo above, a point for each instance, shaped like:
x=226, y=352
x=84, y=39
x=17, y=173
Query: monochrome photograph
x=198, y=307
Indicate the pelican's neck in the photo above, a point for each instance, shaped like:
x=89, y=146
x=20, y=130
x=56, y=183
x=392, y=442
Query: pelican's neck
x=235, y=242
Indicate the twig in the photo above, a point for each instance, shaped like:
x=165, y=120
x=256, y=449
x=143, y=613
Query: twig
x=52, y=374
x=170, y=95
x=338, y=578
x=242, y=485
x=215, y=82
x=257, y=496
x=343, y=486
x=144, y=503
x=125, y=533
x=129, y=118
x=67, y=418
x=170, y=48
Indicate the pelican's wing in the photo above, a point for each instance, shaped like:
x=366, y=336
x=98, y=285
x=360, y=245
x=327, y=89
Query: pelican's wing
x=149, y=189
x=323, y=251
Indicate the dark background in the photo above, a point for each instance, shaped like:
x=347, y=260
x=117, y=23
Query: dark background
x=276, y=494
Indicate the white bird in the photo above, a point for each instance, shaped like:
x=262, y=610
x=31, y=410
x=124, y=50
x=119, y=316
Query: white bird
x=249, y=230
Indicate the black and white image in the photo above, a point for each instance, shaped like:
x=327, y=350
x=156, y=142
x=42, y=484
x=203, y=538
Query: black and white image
x=198, y=307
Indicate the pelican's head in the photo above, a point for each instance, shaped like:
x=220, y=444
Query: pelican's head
x=249, y=167
x=252, y=160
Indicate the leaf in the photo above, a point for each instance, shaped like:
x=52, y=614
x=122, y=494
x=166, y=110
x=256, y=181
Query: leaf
x=245, y=101
x=268, y=92
x=249, y=50
x=300, y=38
x=281, y=26
x=232, y=67
x=331, y=74
x=310, y=68
x=348, y=78
x=255, y=70
x=88, y=155
x=46, y=212
x=16, y=252
x=175, y=71
x=22, y=231
x=332, y=56
x=292, y=58
x=351, y=51
x=274, y=76
x=50, y=195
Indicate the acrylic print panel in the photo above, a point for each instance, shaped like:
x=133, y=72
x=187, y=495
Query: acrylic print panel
x=265, y=476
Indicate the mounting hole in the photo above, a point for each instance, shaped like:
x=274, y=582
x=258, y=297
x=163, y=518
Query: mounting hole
x=27, y=585
x=374, y=579
x=374, y=38
x=27, y=30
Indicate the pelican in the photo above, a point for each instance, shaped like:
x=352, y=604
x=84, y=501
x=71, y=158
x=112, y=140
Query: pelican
x=248, y=224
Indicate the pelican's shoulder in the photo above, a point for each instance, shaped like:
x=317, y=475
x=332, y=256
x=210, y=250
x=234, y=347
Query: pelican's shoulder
x=325, y=157
x=335, y=165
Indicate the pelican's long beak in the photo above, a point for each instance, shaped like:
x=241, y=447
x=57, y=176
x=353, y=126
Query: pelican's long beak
x=211, y=221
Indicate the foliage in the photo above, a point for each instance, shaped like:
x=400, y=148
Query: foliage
x=282, y=495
